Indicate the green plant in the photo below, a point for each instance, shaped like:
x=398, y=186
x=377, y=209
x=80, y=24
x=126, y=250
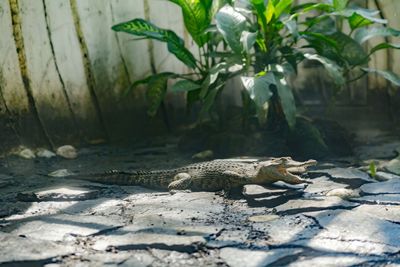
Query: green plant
x=263, y=42
x=208, y=73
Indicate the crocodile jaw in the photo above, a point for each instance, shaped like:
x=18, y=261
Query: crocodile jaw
x=282, y=169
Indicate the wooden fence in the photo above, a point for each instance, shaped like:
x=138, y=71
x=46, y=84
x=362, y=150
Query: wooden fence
x=62, y=69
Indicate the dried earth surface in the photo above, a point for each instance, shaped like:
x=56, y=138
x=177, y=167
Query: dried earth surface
x=345, y=218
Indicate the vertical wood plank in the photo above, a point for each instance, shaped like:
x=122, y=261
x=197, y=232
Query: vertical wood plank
x=378, y=60
x=109, y=71
x=171, y=18
x=15, y=98
x=134, y=53
x=8, y=136
x=69, y=59
x=45, y=85
x=391, y=11
x=358, y=90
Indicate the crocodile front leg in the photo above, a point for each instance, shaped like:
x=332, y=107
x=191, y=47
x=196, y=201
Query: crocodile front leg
x=233, y=183
x=182, y=181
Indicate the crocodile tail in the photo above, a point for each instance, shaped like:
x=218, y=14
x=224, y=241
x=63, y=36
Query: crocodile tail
x=110, y=177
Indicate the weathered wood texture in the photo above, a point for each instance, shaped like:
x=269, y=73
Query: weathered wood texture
x=18, y=108
x=63, y=70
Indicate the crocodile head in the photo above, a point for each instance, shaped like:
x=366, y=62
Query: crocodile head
x=282, y=169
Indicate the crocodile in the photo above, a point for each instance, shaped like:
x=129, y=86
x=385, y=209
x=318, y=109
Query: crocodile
x=213, y=175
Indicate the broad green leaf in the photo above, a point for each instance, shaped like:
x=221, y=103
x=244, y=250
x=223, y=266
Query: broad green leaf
x=155, y=93
x=371, y=15
x=144, y=28
x=270, y=11
x=259, y=6
x=322, y=25
x=259, y=88
x=216, y=54
x=349, y=49
x=185, y=86
x=260, y=41
x=196, y=16
x=331, y=67
x=325, y=46
x=388, y=75
x=357, y=21
x=313, y=6
x=281, y=6
x=292, y=27
x=182, y=54
x=146, y=81
x=286, y=98
x=216, y=6
x=248, y=39
x=313, y=36
x=231, y=24
x=211, y=78
x=340, y=4
x=364, y=34
x=141, y=27
x=384, y=46
x=209, y=100
x=135, y=85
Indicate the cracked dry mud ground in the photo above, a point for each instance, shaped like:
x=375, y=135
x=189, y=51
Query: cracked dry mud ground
x=345, y=218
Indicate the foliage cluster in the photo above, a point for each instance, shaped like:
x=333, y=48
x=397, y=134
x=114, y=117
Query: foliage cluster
x=263, y=43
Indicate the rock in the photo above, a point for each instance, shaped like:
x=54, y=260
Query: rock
x=59, y=194
x=381, y=212
x=9, y=208
x=67, y=151
x=384, y=176
x=295, y=206
x=235, y=257
x=258, y=190
x=350, y=176
x=393, y=166
x=17, y=249
x=287, y=229
x=206, y=154
x=263, y=218
x=335, y=260
x=321, y=186
x=383, y=199
x=44, y=153
x=61, y=173
x=175, y=209
x=137, y=241
x=389, y=187
x=26, y=153
x=62, y=227
x=138, y=260
x=343, y=193
x=352, y=231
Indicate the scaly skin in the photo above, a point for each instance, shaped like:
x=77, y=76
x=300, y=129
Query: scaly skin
x=210, y=176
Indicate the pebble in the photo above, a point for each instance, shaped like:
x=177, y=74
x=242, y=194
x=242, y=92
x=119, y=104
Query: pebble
x=44, y=153
x=67, y=151
x=61, y=173
x=27, y=153
x=343, y=193
x=206, y=154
